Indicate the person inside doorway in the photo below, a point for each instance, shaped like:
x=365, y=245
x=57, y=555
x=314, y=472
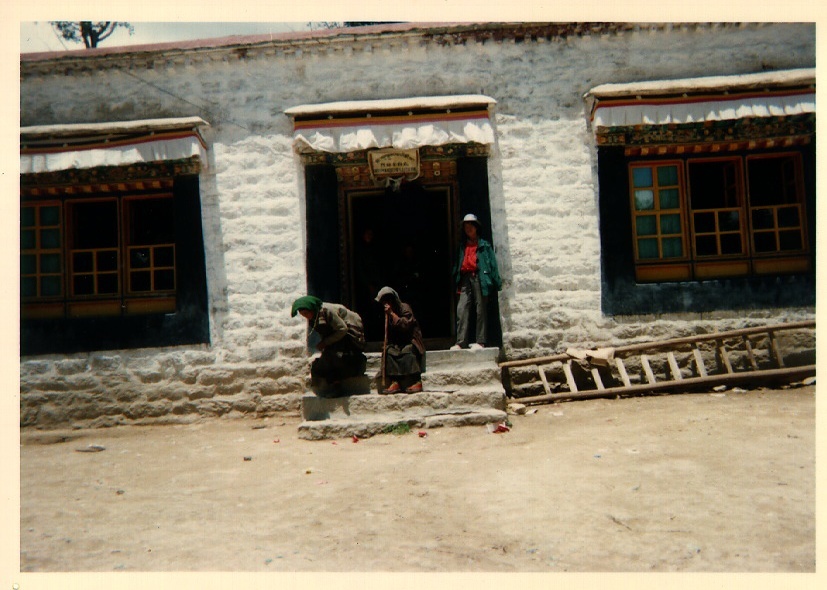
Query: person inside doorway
x=404, y=349
x=475, y=274
x=341, y=344
x=368, y=278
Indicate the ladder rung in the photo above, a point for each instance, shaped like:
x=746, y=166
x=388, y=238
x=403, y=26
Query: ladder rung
x=650, y=376
x=597, y=380
x=542, y=374
x=699, y=362
x=621, y=368
x=673, y=364
x=569, y=376
x=775, y=351
x=750, y=353
x=724, y=357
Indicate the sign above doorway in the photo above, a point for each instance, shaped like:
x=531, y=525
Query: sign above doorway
x=394, y=163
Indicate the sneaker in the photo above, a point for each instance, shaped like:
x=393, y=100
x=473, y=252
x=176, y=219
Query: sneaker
x=415, y=388
x=394, y=388
x=476, y=346
x=456, y=347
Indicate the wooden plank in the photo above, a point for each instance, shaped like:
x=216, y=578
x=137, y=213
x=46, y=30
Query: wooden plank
x=597, y=379
x=788, y=373
x=621, y=368
x=650, y=376
x=672, y=343
x=673, y=365
x=569, y=376
x=776, y=353
x=750, y=353
x=542, y=374
x=699, y=362
x=724, y=357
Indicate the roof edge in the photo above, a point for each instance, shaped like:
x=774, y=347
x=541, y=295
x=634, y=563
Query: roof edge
x=751, y=81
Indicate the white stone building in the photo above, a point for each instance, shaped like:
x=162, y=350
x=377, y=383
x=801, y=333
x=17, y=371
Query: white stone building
x=637, y=181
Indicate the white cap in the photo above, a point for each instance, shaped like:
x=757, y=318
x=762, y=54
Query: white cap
x=471, y=218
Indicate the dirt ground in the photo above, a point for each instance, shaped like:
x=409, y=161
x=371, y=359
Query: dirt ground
x=721, y=482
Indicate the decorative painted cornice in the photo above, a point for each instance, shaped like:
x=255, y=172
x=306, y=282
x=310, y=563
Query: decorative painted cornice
x=334, y=41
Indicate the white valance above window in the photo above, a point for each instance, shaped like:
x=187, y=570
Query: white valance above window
x=340, y=127
x=49, y=148
x=698, y=100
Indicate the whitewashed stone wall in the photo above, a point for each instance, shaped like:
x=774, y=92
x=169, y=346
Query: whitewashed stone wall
x=542, y=182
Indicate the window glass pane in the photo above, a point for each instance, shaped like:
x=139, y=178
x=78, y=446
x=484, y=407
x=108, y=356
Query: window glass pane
x=771, y=180
x=83, y=285
x=669, y=198
x=642, y=177
x=27, y=241
x=788, y=217
x=50, y=286
x=50, y=215
x=165, y=256
x=107, y=283
x=28, y=264
x=712, y=185
x=762, y=219
x=140, y=281
x=646, y=225
x=50, y=238
x=107, y=260
x=139, y=258
x=28, y=287
x=151, y=221
x=50, y=263
x=670, y=224
x=790, y=240
x=672, y=248
x=729, y=221
x=765, y=242
x=704, y=222
x=667, y=175
x=26, y=216
x=82, y=262
x=706, y=245
x=648, y=248
x=164, y=280
x=731, y=244
x=644, y=200
x=94, y=225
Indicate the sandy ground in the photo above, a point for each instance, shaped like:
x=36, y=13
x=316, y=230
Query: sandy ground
x=681, y=483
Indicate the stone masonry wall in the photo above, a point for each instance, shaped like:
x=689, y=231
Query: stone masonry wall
x=542, y=177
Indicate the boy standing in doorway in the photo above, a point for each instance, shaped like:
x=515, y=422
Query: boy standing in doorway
x=475, y=274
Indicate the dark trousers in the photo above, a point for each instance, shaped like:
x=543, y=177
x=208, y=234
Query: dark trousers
x=471, y=300
x=341, y=360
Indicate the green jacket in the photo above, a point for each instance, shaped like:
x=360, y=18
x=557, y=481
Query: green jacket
x=486, y=264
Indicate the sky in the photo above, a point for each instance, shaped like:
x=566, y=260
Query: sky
x=38, y=36
x=161, y=21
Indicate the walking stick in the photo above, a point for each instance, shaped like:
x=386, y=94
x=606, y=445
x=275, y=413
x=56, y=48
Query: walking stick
x=384, y=353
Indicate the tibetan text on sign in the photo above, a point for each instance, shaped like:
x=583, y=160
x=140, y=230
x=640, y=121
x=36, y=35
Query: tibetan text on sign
x=394, y=162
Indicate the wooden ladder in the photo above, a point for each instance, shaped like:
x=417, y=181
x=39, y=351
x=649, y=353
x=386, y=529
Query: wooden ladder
x=723, y=344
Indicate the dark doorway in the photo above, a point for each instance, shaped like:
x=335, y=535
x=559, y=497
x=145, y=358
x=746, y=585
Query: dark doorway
x=403, y=239
x=414, y=245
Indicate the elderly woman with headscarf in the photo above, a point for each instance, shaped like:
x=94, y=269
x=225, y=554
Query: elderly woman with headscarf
x=404, y=353
x=342, y=341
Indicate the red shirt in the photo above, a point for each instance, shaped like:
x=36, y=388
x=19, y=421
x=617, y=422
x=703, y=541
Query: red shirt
x=469, y=259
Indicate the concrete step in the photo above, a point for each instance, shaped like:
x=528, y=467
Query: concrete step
x=439, y=359
x=454, y=370
x=367, y=415
x=461, y=387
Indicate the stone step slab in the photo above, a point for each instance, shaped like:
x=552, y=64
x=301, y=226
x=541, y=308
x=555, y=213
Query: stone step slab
x=378, y=424
x=315, y=408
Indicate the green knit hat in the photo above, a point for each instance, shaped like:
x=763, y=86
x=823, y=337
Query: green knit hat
x=307, y=302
